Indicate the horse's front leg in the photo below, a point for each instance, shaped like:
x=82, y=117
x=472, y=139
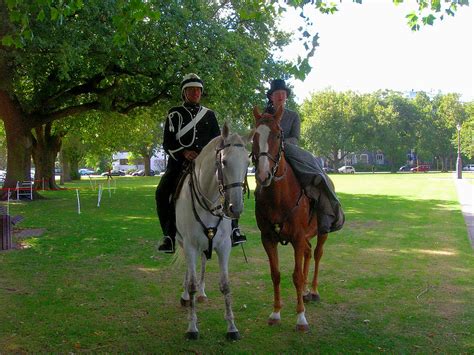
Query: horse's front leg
x=224, y=286
x=318, y=253
x=185, y=295
x=191, y=285
x=201, y=293
x=302, y=249
x=271, y=247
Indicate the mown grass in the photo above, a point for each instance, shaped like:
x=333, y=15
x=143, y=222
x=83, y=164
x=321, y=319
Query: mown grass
x=398, y=278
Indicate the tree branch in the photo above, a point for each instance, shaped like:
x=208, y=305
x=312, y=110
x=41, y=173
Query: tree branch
x=40, y=119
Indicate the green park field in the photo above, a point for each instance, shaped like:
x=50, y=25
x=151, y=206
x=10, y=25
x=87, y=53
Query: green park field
x=398, y=278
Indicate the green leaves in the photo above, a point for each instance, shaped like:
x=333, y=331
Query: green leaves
x=413, y=21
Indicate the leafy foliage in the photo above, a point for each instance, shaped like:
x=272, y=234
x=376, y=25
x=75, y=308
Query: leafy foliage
x=336, y=124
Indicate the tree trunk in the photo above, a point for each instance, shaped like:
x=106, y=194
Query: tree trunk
x=45, y=149
x=65, y=169
x=74, y=169
x=19, y=143
x=147, y=162
x=444, y=161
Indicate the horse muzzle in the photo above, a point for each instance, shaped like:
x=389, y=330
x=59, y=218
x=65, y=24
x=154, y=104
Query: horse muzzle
x=233, y=210
x=263, y=179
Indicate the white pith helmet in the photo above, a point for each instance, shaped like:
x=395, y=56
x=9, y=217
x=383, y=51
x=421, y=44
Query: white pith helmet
x=191, y=80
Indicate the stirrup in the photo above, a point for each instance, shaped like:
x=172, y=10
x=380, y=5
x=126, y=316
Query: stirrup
x=164, y=247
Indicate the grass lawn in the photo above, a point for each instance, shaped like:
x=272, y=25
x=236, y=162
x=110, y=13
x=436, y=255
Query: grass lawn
x=398, y=278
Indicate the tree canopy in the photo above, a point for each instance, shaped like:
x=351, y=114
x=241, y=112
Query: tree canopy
x=62, y=58
x=338, y=124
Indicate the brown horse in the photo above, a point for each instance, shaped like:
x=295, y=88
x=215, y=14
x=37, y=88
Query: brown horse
x=284, y=215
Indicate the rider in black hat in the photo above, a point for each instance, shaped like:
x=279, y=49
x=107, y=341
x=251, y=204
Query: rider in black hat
x=307, y=167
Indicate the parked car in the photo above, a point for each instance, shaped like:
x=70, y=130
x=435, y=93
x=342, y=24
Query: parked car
x=346, y=169
x=420, y=168
x=142, y=173
x=469, y=167
x=114, y=173
x=405, y=168
x=329, y=170
x=85, y=171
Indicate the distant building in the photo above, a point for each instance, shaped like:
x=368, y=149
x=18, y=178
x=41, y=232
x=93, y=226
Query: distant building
x=121, y=161
x=368, y=158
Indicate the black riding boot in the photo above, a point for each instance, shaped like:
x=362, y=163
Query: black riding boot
x=237, y=237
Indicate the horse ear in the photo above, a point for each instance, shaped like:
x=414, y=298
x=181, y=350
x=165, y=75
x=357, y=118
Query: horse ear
x=279, y=114
x=225, y=130
x=256, y=114
x=248, y=138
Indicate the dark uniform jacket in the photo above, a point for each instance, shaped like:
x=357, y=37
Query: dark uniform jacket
x=195, y=139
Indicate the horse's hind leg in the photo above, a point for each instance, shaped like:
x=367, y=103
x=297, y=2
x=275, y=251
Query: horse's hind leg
x=307, y=261
x=201, y=293
x=318, y=253
x=271, y=248
x=224, y=286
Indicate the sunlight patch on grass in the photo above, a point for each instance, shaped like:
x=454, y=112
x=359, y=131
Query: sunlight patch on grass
x=30, y=243
x=447, y=207
x=141, y=218
x=381, y=250
x=148, y=270
x=429, y=252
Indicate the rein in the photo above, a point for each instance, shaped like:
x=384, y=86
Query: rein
x=276, y=160
x=198, y=196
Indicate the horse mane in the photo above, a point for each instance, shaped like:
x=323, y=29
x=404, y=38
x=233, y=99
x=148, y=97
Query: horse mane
x=232, y=138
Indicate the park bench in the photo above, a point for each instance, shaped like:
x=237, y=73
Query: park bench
x=6, y=224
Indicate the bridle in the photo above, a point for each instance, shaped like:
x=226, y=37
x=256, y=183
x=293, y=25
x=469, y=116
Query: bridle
x=220, y=175
x=276, y=160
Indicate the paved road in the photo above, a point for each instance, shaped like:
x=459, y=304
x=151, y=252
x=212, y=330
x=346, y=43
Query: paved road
x=466, y=199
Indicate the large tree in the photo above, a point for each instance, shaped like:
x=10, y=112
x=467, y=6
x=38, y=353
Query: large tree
x=396, y=120
x=76, y=64
x=332, y=124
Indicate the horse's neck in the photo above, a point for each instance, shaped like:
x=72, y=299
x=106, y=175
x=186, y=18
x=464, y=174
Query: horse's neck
x=285, y=183
x=205, y=169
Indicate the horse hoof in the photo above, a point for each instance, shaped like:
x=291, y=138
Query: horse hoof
x=272, y=321
x=202, y=299
x=192, y=335
x=311, y=297
x=302, y=328
x=233, y=336
x=185, y=303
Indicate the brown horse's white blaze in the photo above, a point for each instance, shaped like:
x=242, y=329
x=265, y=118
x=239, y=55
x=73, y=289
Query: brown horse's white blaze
x=262, y=173
x=283, y=215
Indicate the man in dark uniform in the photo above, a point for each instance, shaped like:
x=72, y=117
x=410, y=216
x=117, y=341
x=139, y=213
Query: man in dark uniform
x=188, y=129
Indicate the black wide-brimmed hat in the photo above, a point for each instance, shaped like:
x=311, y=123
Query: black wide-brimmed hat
x=278, y=84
